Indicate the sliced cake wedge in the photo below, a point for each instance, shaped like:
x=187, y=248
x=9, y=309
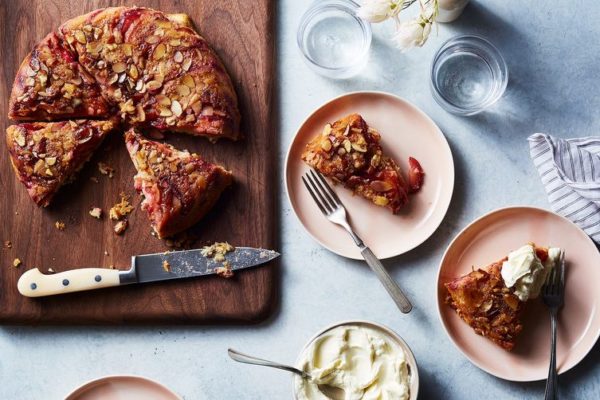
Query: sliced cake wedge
x=46, y=155
x=179, y=188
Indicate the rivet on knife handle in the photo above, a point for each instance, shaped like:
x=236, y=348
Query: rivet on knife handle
x=35, y=284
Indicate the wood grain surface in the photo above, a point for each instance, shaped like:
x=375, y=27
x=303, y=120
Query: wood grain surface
x=241, y=32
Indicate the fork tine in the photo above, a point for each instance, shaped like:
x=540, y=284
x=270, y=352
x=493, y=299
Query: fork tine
x=328, y=187
x=314, y=197
x=325, y=198
x=323, y=189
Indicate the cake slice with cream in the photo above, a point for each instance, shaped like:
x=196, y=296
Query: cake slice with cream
x=491, y=299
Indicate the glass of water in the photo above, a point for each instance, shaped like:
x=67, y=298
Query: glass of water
x=333, y=40
x=468, y=74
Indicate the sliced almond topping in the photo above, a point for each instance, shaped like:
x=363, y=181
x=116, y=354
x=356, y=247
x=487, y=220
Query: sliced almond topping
x=326, y=144
x=175, y=42
x=187, y=64
x=178, y=57
x=347, y=146
x=80, y=37
x=152, y=39
x=164, y=112
x=127, y=49
x=141, y=115
x=113, y=79
x=183, y=90
x=139, y=85
x=153, y=85
x=359, y=148
x=50, y=161
x=159, y=51
x=163, y=100
x=327, y=130
x=188, y=81
x=119, y=67
x=176, y=108
x=133, y=72
x=29, y=82
x=39, y=166
x=20, y=139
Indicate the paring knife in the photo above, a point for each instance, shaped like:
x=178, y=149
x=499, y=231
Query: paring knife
x=144, y=268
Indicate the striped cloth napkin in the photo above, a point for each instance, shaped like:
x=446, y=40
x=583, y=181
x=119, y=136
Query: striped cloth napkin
x=570, y=172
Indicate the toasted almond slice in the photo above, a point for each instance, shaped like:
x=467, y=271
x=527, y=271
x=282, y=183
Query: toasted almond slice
x=153, y=85
x=176, y=108
x=183, y=90
x=178, y=57
x=187, y=64
x=80, y=37
x=188, y=81
x=119, y=67
x=152, y=39
x=164, y=112
x=159, y=51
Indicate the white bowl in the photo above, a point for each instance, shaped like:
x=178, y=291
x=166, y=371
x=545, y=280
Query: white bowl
x=410, y=358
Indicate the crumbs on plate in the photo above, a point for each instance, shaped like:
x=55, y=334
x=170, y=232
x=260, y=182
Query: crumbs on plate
x=59, y=225
x=96, y=212
x=105, y=169
x=16, y=263
x=166, y=266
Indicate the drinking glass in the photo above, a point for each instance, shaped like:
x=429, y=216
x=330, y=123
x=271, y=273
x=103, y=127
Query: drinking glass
x=468, y=75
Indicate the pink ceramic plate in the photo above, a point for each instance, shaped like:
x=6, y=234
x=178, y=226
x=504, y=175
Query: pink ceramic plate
x=122, y=388
x=491, y=238
x=405, y=131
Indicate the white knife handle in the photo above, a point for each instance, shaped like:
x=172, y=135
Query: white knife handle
x=35, y=284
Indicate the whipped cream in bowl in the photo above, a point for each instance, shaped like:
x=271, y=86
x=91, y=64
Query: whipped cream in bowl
x=366, y=360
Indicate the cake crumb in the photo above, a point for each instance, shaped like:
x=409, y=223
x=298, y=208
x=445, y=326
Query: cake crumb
x=96, y=212
x=120, y=227
x=111, y=266
x=51, y=270
x=8, y=244
x=166, y=266
x=59, y=225
x=105, y=252
x=105, y=169
x=121, y=209
x=217, y=250
x=225, y=271
x=16, y=263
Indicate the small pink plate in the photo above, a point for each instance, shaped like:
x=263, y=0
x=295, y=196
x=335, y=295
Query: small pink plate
x=405, y=131
x=122, y=388
x=491, y=238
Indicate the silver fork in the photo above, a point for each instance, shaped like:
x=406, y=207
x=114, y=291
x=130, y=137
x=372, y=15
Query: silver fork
x=331, y=206
x=553, y=295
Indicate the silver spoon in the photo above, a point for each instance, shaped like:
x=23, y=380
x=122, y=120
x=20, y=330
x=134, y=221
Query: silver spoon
x=328, y=390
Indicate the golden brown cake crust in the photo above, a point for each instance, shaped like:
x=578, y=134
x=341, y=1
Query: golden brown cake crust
x=179, y=188
x=348, y=151
x=46, y=155
x=156, y=70
x=50, y=84
x=151, y=69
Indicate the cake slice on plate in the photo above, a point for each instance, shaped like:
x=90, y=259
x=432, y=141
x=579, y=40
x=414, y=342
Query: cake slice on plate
x=491, y=299
x=349, y=152
x=46, y=155
x=179, y=188
x=51, y=85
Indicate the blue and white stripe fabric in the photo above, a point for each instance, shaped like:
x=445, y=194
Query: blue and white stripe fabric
x=570, y=172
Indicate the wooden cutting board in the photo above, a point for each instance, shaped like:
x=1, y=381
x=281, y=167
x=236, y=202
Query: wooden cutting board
x=241, y=32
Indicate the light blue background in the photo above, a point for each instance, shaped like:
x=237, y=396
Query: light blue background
x=552, y=51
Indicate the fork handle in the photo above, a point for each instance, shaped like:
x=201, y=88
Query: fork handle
x=552, y=382
x=386, y=280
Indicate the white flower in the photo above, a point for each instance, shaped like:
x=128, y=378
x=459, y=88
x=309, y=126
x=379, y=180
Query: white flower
x=411, y=34
x=379, y=10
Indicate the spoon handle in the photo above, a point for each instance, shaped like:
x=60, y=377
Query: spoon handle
x=246, y=359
